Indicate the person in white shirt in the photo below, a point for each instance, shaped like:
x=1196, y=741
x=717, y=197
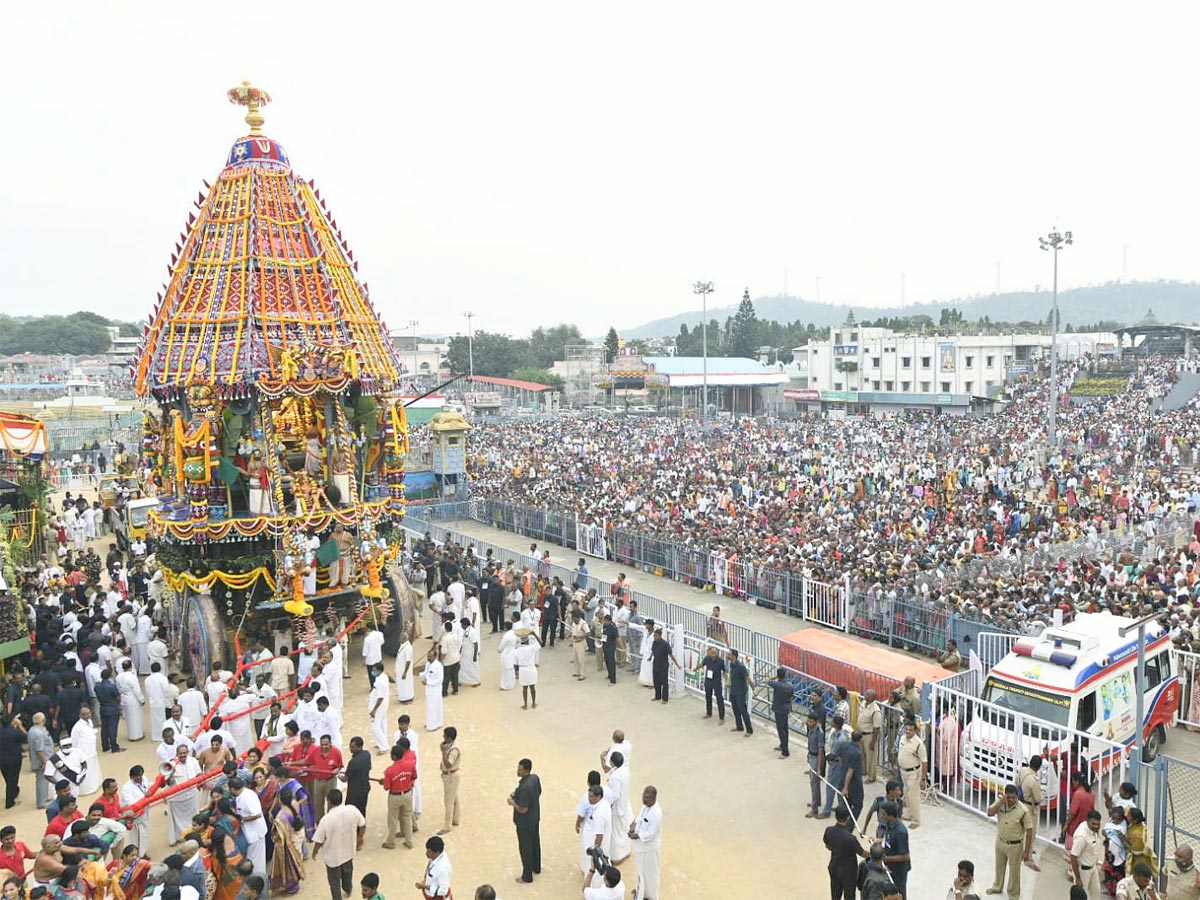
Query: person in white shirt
x=68, y=764
x=85, y=737
x=216, y=728
x=473, y=610
x=193, y=704
x=436, y=885
x=262, y=693
x=328, y=721
x=132, y=791
x=132, y=701
x=172, y=741
x=235, y=713
x=404, y=670
x=622, y=812
x=437, y=605
x=183, y=805
x=377, y=707
x=215, y=687
x=646, y=834
x=610, y=886
x=157, y=698
x=254, y=825
x=595, y=831
x=157, y=651
x=143, y=631
x=432, y=676
x=619, y=745
x=372, y=646
x=456, y=595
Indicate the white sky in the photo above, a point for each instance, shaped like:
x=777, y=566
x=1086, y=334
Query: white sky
x=539, y=162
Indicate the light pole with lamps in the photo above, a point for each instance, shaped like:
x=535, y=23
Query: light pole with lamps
x=471, y=347
x=413, y=323
x=1053, y=242
x=704, y=288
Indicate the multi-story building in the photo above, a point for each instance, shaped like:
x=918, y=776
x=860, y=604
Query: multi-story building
x=863, y=370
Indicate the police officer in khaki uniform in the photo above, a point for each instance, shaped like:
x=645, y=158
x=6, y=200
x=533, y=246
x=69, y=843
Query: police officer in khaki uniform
x=910, y=697
x=1030, y=785
x=870, y=723
x=913, y=760
x=1014, y=840
x=1183, y=880
x=1086, y=855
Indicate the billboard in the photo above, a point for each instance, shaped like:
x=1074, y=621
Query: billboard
x=946, y=356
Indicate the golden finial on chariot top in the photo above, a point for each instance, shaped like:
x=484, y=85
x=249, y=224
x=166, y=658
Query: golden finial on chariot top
x=252, y=98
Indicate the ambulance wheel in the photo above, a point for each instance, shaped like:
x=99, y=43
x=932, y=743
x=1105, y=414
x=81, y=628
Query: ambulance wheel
x=1154, y=742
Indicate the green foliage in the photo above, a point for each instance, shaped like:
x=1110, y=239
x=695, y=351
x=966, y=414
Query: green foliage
x=743, y=330
x=81, y=333
x=548, y=344
x=539, y=376
x=496, y=355
x=612, y=345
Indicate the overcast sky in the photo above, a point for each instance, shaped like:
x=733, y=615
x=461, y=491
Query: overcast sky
x=541, y=162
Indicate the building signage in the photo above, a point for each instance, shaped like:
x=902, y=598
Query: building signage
x=946, y=357
x=845, y=349
x=945, y=399
x=840, y=396
x=803, y=394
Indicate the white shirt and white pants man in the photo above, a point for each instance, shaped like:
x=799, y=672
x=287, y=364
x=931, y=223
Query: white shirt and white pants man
x=432, y=676
x=647, y=852
x=254, y=826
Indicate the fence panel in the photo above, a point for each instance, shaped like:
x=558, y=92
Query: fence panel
x=993, y=646
x=919, y=627
x=869, y=615
x=1187, y=667
x=591, y=538
x=979, y=747
x=825, y=604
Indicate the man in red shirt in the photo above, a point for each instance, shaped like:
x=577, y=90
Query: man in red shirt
x=398, y=780
x=13, y=853
x=109, y=799
x=68, y=812
x=323, y=769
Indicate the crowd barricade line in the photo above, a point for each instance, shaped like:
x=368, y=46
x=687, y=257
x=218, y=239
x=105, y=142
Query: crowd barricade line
x=1187, y=666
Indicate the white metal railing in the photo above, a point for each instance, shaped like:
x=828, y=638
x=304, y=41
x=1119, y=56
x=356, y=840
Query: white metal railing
x=826, y=604
x=977, y=748
x=592, y=539
x=1187, y=667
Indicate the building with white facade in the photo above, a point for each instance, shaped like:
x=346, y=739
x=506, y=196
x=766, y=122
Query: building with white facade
x=864, y=370
x=419, y=355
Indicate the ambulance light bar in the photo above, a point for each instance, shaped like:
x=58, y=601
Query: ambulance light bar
x=1045, y=651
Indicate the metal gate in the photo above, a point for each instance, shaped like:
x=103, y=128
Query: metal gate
x=1187, y=667
x=825, y=604
x=979, y=747
x=1174, y=808
x=591, y=540
x=993, y=646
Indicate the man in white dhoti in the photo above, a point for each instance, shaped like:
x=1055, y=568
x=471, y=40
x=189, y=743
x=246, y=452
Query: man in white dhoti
x=254, y=824
x=132, y=701
x=86, y=737
x=508, y=658
x=184, y=804
x=273, y=730
x=310, y=578
x=468, y=670
x=216, y=687
x=431, y=677
x=157, y=651
x=141, y=643
x=404, y=669
x=405, y=731
x=331, y=677
x=527, y=670
x=377, y=708
x=235, y=713
x=328, y=721
x=304, y=662
x=437, y=605
x=646, y=834
x=622, y=812
x=193, y=704
x=131, y=792
x=158, y=691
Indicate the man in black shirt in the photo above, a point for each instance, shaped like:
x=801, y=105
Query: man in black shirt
x=527, y=814
x=844, y=852
x=70, y=699
x=37, y=702
x=740, y=685
x=611, y=636
x=494, y=596
x=357, y=776
x=714, y=683
x=661, y=658
x=782, y=692
x=550, y=613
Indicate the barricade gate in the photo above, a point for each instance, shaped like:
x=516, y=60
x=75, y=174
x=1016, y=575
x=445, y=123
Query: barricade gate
x=993, y=646
x=1187, y=667
x=591, y=540
x=979, y=747
x=825, y=604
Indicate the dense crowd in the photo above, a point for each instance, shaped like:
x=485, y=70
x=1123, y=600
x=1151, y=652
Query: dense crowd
x=964, y=512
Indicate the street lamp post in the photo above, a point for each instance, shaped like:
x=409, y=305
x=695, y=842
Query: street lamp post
x=1053, y=242
x=704, y=288
x=413, y=323
x=471, y=347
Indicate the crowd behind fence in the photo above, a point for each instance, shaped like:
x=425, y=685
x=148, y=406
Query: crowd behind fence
x=899, y=623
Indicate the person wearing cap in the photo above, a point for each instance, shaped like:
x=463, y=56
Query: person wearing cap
x=1138, y=885
x=913, y=760
x=1014, y=840
x=870, y=723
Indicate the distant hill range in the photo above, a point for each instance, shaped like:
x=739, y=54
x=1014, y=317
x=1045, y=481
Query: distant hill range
x=1128, y=303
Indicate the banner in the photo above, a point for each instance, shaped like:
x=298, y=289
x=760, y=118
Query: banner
x=946, y=356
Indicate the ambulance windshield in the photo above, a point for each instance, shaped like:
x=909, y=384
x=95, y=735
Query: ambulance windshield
x=1028, y=701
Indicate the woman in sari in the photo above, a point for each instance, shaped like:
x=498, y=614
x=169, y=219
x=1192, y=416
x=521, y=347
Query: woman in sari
x=1137, y=842
x=287, y=829
x=69, y=886
x=131, y=871
x=227, y=820
x=266, y=786
x=226, y=859
x=302, y=800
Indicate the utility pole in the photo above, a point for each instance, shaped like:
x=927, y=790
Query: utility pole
x=1124, y=263
x=1053, y=242
x=471, y=347
x=413, y=323
x=704, y=288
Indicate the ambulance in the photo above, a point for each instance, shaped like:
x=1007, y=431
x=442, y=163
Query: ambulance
x=1056, y=691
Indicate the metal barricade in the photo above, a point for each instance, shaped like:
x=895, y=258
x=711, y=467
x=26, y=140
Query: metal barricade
x=869, y=616
x=993, y=646
x=919, y=627
x=591, y=538
x=1187, y=667
x=978, y=748
x=825, y=604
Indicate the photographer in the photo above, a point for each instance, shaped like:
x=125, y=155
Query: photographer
x=596, y=834
x=611, y=887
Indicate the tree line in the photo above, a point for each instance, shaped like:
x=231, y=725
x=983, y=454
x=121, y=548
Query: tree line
x=81, y=333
